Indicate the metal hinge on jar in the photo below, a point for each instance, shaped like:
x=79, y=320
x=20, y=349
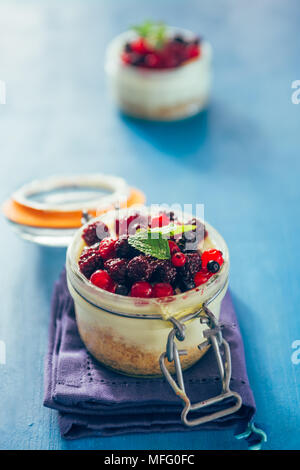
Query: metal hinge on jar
x=214, y=338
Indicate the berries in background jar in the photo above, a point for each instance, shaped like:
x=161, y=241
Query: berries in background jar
x=162, y=289
x=141, y=289
x=107, y=248
x=103, y=280
x=178, y=259
x=139, y=268
x=116, y=268
x=212, y=255
x=95, y=232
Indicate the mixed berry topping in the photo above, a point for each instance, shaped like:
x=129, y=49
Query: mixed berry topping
x=155, y=48
x=139, y=265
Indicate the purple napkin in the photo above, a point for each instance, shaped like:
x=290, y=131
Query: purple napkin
x=95, y=401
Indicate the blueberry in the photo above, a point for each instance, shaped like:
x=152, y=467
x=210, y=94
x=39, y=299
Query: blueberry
x=179, y=39
x=121, y=289
x=213, y=266
x=186, y=284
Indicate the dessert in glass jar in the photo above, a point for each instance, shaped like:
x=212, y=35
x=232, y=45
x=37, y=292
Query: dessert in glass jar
x=159, y=72
x=131, y=271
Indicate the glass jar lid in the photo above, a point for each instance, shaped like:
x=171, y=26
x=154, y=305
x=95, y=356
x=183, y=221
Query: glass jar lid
x=49, y=211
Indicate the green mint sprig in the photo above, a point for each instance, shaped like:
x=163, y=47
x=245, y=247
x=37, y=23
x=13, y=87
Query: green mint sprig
x=155, y=33
x=154, y=242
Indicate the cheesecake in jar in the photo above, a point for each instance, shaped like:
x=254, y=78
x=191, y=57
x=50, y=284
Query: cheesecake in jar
x=127, y=286
x=158, y=72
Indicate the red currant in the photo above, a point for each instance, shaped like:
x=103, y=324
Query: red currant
x=107, y=248
x=201, y=277
x=102, y=279
x=162, y=289
x=178, y=259
x=141, y=289
x=160, y=221
x=211, y=255
x=192, y=50
x=140, y=46
x=174, y=248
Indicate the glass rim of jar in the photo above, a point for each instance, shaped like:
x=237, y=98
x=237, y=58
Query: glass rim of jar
x=87, y=290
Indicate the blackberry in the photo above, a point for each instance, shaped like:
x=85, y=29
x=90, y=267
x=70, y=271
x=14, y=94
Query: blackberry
x=116, y=268
x=189, y=241
x=95, y=232
x=90, y=260
x=193, y=262
x=190, y=268
x=124, y=250
x=121, y=289
x=139, y=268
x=164, y=271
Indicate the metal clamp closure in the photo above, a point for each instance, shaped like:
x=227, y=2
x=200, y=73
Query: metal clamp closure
x=214, y=338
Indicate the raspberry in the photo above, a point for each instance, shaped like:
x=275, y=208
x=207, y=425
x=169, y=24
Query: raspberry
x=141, y=289
x=107, y=248
x=178, y=259
x=102, y=279
x=164, y=271
x=139, y=268
x=116, y=268
x=162, y=289
x=124, y=250
x=95, y=232
x=212, y=255
x=90, y=260
x=201, y=277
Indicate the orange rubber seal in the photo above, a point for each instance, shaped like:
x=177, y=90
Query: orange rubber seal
x=23, y=215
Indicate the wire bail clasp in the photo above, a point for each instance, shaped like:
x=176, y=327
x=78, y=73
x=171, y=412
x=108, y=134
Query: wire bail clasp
x=214, y=338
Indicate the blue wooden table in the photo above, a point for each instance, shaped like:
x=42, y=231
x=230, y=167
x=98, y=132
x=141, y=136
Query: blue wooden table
x=240, y=158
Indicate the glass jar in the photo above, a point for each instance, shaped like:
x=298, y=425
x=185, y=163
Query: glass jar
x=129, y=334
x=159, y=94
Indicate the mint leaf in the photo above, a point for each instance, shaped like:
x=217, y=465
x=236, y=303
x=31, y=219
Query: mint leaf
x=154, y=32
x=154, y=242
x=157, y=247
x=171, y=230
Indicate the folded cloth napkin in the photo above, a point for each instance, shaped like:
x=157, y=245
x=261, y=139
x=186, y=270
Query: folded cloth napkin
x=95, y=401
